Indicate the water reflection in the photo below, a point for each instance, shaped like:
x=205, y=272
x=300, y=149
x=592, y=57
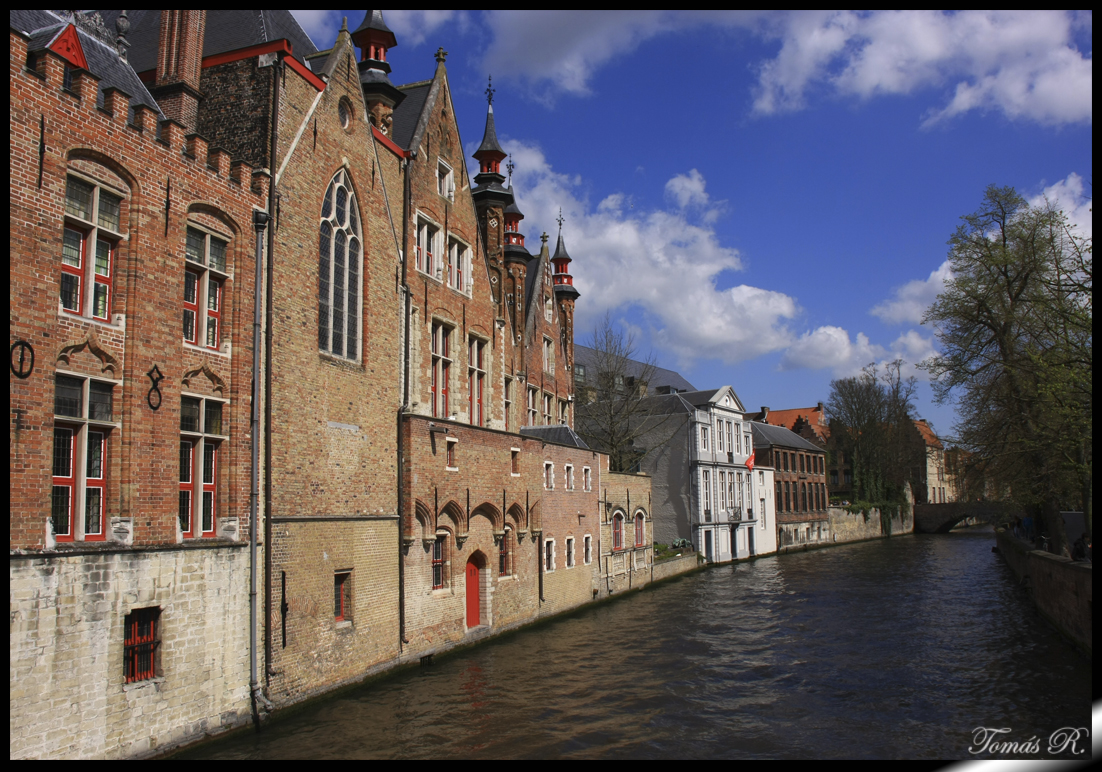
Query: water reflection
x=894, y=649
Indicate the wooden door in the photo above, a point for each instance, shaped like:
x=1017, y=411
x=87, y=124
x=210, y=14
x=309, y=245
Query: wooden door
x=474, y=596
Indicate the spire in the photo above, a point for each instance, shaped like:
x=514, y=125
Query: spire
x=489, y=153
x=564, y=282
x=374, y=39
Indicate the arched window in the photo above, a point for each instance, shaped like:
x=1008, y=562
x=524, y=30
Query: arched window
x=640, y=529
x=618, y=532
x=339, y=277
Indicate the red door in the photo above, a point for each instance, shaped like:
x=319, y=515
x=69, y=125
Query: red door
x=473, y=596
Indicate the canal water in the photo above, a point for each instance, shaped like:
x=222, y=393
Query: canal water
x=889, y=649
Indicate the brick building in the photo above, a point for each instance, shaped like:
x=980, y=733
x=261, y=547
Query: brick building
x=799, y=477
x=418, y=480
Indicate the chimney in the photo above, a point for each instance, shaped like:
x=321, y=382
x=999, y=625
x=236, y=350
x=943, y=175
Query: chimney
x=764, y=414
x=179, y=60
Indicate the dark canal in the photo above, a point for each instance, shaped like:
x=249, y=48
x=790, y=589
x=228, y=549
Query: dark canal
x=888, y=649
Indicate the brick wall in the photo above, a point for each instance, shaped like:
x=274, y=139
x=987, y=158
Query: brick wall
x=628, y=567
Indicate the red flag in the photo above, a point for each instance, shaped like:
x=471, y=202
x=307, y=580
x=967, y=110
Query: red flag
x=750, y=462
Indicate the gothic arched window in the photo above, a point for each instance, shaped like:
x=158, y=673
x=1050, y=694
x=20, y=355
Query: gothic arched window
x=339, y=277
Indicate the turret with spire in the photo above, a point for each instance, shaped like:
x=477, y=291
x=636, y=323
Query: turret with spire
x=374, y=39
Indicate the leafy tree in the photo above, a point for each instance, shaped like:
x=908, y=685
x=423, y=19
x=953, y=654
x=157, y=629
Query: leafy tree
x=1015, y=327
x=872, y=420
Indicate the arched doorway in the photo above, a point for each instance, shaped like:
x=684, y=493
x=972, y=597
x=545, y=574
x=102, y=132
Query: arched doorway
x=474, y=595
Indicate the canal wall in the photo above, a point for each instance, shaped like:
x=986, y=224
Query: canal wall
x=844, y=527
x=674, y=566
x=1061, y=589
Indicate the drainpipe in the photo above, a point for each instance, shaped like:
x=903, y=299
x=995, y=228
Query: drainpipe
x=260, y=222
x=402, y=641
x=273, y=197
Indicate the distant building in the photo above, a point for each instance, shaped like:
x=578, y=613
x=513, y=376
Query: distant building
x=800, y=491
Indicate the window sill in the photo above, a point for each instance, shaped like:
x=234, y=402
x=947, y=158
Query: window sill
x=514, y=474
x=119, y=324
x=344, y=624
x=224, y=351
x=130, y=687
x=451, y=469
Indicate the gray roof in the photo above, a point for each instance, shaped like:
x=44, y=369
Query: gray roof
x=767, y=435
x=225, y=31
x=374, y=20
x=560, y=434
x=708, y=396
x=560, y=248
x=489, y=138
x=408, y=112
x=103, y=60
x=583, y=355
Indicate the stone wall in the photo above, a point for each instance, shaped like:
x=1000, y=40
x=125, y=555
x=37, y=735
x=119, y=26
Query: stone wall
x=1062, y=589
x=675, y=566
x=68, y=697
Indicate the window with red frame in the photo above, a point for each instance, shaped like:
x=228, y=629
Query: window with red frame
x=205, y=276
x=457, y=265
x=617, y=532
x=342, y=596
x=92, y=222
x=427, y=236
x=507, y=396
x=201, y=438
x=441, y=368
x=141, y=644
x=476, y=375
x=640, y=530
x=438, y=562
x=83, y=421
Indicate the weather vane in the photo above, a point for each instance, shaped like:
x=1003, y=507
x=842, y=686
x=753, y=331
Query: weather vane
x=510, y=166
x=490, y=89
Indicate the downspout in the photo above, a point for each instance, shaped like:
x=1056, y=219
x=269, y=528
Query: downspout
x=405, y=406
x=260, y=222
x=273, y=196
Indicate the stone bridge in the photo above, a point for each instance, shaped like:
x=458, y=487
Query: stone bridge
x=940, y=518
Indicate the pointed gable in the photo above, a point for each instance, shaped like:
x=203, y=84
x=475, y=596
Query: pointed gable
x=67, y=45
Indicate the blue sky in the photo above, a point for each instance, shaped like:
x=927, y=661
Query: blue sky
x=764, y=200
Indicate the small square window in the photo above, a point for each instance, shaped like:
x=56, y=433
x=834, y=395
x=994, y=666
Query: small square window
x=451, y=455
x=141, y=644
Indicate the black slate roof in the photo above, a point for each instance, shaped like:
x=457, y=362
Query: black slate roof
x=407, y=114
x=103, y=60
x=225, y=31
x=560, y=249
x=766, y=435
x=560, y=434
x=583, y=355
x=489, y=138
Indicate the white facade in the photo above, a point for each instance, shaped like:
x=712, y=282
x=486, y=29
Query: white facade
x=726, y=503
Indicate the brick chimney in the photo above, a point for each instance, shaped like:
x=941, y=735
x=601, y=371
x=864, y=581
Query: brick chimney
x=179, y=59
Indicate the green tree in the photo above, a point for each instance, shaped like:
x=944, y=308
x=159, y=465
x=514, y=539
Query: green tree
x=872, y=420
x=1015, y=327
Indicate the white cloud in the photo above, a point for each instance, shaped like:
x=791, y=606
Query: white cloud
x=1024, y=64
x=909, y=302
x=558, y=51
x=831, y=347
x=1068, y=195
x=413, y=27
x=659, y=263
x=687, y=189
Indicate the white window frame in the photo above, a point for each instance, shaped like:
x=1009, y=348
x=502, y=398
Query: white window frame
x=445, y=179
x=81, y=427
x=587, y=479
x=200, y=440
x=704, y=438
x=549, y=556
x=428, y=245
x=514, y=462
x=91, y=233
x=459, y=258
x=205, y=273
x=587, y=546
x=451, y=453
x=568, y=472
x=548, y=356
x=548, y=476
x=533, y=406
x=570, y=557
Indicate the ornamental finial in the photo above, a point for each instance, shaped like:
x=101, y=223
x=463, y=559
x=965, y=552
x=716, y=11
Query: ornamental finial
x=510, y=166
x=560, y=219
x=490, y=90
x=441, y=54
